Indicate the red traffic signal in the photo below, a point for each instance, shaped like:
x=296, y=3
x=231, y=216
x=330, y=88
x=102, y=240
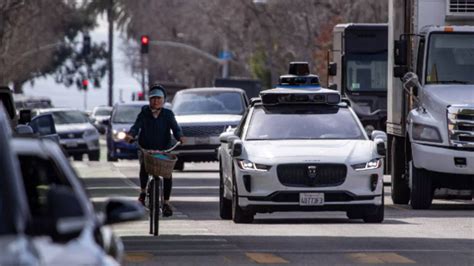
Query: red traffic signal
x=145, y=40
x=85, y=84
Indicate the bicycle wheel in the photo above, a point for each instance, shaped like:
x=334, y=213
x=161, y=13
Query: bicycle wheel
x=156, y=206
x=151, y=202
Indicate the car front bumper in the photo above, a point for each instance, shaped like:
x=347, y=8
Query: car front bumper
x=442, y=159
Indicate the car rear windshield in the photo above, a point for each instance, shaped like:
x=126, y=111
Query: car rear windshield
x=208, y=102
x=69, y=117
x=303, y=123
x=126, y=114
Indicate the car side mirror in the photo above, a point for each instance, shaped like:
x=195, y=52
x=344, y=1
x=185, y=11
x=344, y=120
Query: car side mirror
x=105, y=122
x=224, y=137
x=332, y=86
x=380, y=144
x=237, y=148
x=24, y=130
x=332, y=69
x=43, y=125
x=378, y=134
x=400, y=52
x=118, y=211
x=410, y=79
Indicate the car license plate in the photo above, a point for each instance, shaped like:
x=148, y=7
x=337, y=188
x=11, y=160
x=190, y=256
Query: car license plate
x=203, y=140
x=71, y=144
x=311, y=199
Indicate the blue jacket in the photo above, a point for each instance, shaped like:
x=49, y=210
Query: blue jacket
x=154, y=133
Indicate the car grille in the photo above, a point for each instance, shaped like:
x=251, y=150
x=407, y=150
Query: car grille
x=311, y=175
x=71, y=135
x=203, y=131
x=461, y=125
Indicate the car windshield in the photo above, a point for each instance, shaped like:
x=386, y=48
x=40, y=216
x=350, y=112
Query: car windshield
x=298, y=122
x=208, y=102
x=69, y=117
x=366, y=72
x=102, y=112
x=126, y=114
x=450, y=58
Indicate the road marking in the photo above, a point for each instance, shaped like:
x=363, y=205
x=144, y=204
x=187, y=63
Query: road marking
x=137, y=256
x=379, y=257
x=266, y=258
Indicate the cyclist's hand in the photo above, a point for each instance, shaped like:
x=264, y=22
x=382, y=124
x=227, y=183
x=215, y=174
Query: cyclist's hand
x=182, y=140
x=129, y=139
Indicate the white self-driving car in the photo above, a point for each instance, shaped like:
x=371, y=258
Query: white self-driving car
x=299, y=148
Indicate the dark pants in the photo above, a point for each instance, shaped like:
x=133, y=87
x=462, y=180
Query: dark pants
x=167, y=182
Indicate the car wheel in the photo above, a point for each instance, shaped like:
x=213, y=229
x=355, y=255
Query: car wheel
x=225, y=205
x=77, y=157
x=239, y=216
x=179, y=165
x=94, y=156
x=110, y=158
x=400, y=189
x=375, y=214
x=354, y=214
x=422, y=189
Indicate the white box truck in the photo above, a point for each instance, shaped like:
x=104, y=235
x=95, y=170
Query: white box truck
x=430, y=108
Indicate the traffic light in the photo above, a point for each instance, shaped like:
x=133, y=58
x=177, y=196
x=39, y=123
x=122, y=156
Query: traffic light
x=86, y=45
x=85, y=84
x=144, y=41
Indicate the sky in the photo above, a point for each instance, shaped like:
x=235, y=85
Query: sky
x=62, y=96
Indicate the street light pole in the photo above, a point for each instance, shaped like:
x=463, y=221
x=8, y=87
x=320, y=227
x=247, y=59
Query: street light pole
x=110, y=17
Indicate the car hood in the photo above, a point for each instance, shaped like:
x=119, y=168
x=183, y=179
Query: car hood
x=448, y=94
x=73, y=127
x=311, y=150
x=208, y=119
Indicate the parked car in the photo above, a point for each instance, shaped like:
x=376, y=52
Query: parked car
x=203, y=114
x=77, y=135
x=301, y=150
x=99, y=115
x=49, y=220
x=122, y=118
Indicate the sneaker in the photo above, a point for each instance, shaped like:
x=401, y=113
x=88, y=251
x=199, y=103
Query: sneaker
x=141, y=198
x=167, y=211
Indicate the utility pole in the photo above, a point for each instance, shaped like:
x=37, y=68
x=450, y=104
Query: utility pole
x=110, y=17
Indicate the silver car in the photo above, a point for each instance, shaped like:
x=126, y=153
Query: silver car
x=203, y=114
x=77, y=135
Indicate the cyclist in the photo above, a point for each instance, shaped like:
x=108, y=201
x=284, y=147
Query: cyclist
x=153, y=125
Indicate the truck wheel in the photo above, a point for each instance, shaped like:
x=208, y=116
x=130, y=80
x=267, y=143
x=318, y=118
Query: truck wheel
x=225, y=205
x=239, y=216
x=421, y=190
x=400, y=189
x=94, y=156
x=77, y=157
x=179, y=165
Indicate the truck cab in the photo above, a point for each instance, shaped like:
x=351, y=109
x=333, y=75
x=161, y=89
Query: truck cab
x=431, y=108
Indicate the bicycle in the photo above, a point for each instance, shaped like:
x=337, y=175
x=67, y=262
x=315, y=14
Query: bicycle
x=157, y=169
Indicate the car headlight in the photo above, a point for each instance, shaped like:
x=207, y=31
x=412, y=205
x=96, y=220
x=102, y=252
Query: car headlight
x=248, y=165
x=119, y=135
x=370, y=165
x=90, y=132
x=425, y=133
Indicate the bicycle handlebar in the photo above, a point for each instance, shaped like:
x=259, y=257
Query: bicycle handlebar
x=164, y=151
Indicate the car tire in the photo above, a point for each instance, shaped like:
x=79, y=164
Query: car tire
x=179, y=166
x=110, y=158
x=77, y=157
x=354, y=214
x=225, y=205
x=239, y=216
x=422, y=189
x=94, y=156
x=375, y=214
x=400, y=188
